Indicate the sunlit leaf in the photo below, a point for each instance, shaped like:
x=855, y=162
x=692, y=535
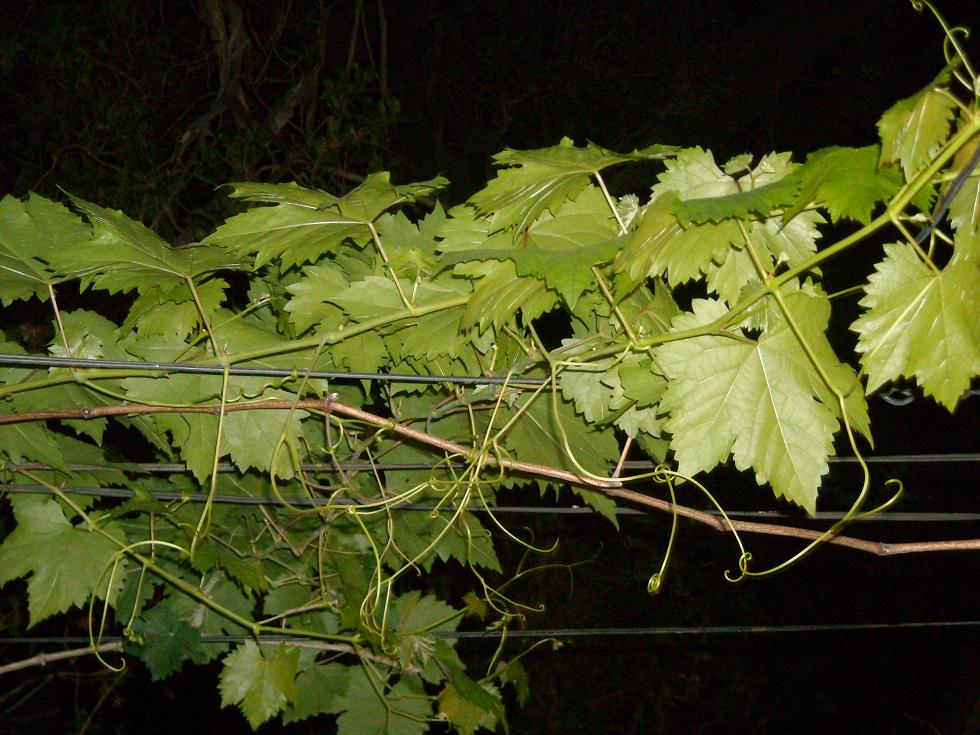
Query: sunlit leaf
x=746, y=399
x=923, y=323
x=912, y=130
x=538, y=180
x=377, y=194
x=847, y=181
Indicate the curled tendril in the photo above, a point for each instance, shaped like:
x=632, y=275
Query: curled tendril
x=952, y=50
x=743, y=568
x=112, y=568
x=662, y=473
x=656, y=580
x=887, y=504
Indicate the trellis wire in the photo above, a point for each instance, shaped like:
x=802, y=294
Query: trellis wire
x=898, y=396
x=543, y=634
x=305, y=502
x=268, y=372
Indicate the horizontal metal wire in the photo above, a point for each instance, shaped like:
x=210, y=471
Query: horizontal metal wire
x=340, y=375
x=639, y=465
x=896, y=396
x=305, y=502
x=645, y=632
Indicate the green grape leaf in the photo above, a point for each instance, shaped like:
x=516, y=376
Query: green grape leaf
x=411, y=612
x=790, y=242
x=922, y=323
x=641, y=383
x=657, y=227
x=86, y=333
x=248, y=574
x=413, y=618
x=366, y=352
x=649, y=309
x=750, y=400
x=217, y=587
x=411, y=247
x=403, y=710
x=292, y=234
x=729, y=277
x=560, y=250
x=501, y=293
x=659, y=245
x=66, y=563
x=585, y=220
x=172, y=311
x=761, y=200
x=166, y=642
x=288, y=193
x=376, y=194
x=264, y=439
x=284, y=598
x=34, y=237
x=260, y=681
x=30, y=442
x=538, y=180
x=693, y=250
x=320, y=689
x=308, y=305
x=567, y=271
x=693, y=174
x=427, y=337
x=196, y=435
x=584, y=386
x=537, y=439
x=964, y=210
x=467, y=230
x=847, y=181
x=513, y=672
x=377, y=295
x=465, y=711
x=913, y=129
x=599, y=394
x=124, y=255
x=775, y=243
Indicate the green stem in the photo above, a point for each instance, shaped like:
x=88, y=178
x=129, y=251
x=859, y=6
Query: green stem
x=205, y=322
x=334, y=336
x=184, y=586
x=329, y=337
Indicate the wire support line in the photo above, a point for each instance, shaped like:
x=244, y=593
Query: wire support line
x=306, y=502
x=900, y=398
x=269, y=372
x=546, y=633
x=321, y=467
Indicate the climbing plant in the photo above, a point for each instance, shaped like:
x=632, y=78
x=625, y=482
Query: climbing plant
x=234, y=467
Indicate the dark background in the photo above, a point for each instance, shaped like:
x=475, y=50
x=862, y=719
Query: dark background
x=148, y=107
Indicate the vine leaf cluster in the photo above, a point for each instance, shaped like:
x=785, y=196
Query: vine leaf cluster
x=691, y=327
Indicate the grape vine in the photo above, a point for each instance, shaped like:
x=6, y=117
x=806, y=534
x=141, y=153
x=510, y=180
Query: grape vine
x=691, y=331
